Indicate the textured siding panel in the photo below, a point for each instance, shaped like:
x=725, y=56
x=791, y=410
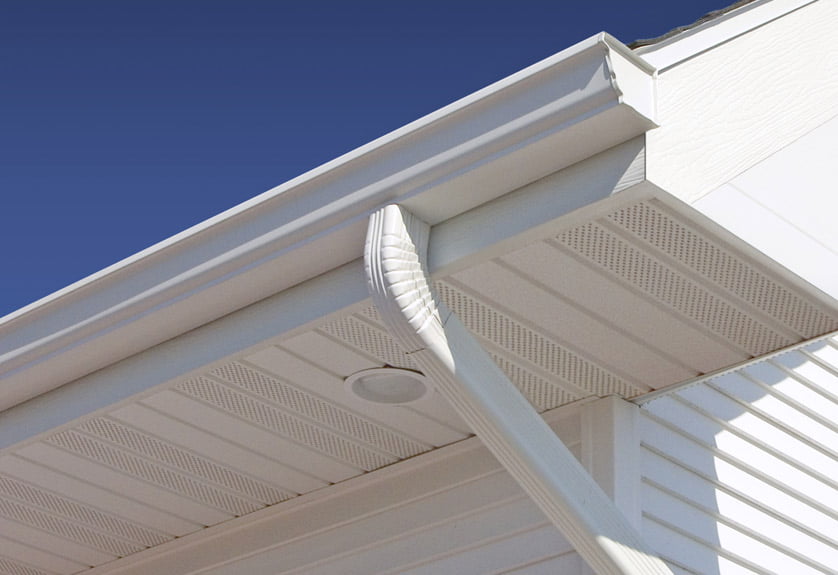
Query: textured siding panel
x=739, y=471
x=744, y=100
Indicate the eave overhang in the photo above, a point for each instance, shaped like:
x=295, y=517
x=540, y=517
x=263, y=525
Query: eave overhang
x=575, y=104
x=221, y=353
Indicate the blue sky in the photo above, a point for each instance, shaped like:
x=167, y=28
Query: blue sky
x=124, y=122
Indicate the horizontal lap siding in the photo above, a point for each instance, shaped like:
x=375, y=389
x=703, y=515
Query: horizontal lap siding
x=739, y=471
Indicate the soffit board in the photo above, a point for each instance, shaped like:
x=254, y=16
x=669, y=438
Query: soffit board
x=357, y=524
x=635, y=293
x=249, y=411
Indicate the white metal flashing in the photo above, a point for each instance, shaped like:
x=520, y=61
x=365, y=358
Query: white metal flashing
x=395, y=263
x=564, y=109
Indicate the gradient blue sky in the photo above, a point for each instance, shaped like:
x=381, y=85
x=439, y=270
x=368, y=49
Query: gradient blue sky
x=124, y=122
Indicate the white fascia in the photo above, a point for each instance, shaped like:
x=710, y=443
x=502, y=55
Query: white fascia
x=581, y=101
x=569, y=197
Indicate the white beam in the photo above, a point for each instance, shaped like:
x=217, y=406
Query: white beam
x=395, y=256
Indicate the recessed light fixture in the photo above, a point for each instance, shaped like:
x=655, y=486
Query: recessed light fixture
x=388, y=385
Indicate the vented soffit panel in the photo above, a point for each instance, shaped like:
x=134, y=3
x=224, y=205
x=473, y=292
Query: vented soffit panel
x=634, y=293
x=623, y=296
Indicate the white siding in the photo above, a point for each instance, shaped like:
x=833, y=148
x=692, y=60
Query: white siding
x=785, y=206
x=740, y=471
x=733, y=106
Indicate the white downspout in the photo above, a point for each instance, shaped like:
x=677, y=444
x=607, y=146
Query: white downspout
x=395, y=255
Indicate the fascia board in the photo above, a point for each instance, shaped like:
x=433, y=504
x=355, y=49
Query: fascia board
x=692, y=42
x=568, y=198
x=443, y=164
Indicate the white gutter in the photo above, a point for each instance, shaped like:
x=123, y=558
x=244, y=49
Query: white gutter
x=579, y=102
x=566, y=198
x=395, y=263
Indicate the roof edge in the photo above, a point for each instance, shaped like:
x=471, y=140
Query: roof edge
x=325, y=169
x=440, y=164
x=609, y=179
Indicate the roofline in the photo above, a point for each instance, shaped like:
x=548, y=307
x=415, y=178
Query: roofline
x=608, y=180
x=343, y=161
x=437, y=165
x=710, y=16
x=716, y=28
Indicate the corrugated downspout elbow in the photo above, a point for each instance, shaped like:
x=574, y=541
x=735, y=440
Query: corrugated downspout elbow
x=490, y=404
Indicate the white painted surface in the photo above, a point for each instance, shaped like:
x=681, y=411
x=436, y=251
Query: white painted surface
x=785, y=206
x=309, y=304
x=611, y=452
x=395, y=260
x=702, y=144
x=450, y=511
x=582, y=312
x=544, y=118
x=735, y=105
x=739, y=470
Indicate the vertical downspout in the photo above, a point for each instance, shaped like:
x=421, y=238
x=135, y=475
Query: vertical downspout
x=395, y=255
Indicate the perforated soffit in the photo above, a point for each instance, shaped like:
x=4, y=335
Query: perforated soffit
x=260, y=430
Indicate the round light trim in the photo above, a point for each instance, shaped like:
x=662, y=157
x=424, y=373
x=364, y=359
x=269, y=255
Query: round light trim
x=387, y=385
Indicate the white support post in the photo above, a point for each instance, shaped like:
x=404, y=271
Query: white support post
x=395, y=255
x=611, y=450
